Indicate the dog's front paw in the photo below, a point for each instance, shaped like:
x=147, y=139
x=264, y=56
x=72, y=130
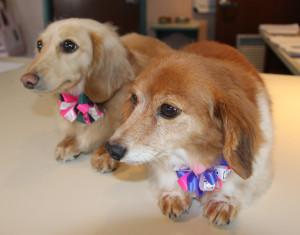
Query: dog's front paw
x=67, y=150
x=220, y=212
x=173, y=205
x=102, y=162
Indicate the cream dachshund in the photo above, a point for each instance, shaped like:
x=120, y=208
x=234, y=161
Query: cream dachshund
x=91, y=67
x=201, y=121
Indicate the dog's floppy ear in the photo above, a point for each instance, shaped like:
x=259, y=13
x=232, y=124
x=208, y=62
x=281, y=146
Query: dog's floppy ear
x=109, y=68
x=241, y=131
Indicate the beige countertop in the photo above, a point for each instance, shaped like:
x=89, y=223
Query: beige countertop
x=41, y=196
x=292, y=63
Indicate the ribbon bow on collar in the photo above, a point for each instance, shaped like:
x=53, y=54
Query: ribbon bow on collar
x=79, y=108
x=204, y=179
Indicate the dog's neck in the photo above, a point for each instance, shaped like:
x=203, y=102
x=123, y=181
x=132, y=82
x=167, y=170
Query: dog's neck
x=181, y=160
x=75, y=105
x=77, y=89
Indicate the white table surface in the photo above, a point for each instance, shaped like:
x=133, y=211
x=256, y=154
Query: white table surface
x=39, y=196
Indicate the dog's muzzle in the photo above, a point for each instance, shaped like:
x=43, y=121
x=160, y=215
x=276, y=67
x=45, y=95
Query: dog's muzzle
x=115, y=151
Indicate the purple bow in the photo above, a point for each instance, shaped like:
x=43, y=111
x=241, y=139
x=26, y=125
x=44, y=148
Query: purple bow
x=205, y=180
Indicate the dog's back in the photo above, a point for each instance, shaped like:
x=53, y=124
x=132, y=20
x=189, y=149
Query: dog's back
x=223, y=53
x=215, y=50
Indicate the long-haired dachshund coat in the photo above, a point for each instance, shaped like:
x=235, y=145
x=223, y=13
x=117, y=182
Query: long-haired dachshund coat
x=201, y=120
x=86, y=61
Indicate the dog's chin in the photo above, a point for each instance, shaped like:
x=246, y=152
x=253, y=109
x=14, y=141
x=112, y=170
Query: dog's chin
x=66, y=87
x=137, y=157
x=133, y=162
x=41, y=88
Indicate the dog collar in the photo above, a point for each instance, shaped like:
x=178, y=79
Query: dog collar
x=203, y=179
x=79, y=108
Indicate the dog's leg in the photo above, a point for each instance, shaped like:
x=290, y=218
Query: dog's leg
x=174, y=204
x=221, y=210
x=67, y=149
x=102, y=162
x=172, y=200
x=222, y=206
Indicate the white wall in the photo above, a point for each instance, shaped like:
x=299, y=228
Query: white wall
x=28, y=15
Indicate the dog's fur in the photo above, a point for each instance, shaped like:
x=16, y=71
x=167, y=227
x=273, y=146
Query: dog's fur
x=102, y=67
x=224, y=110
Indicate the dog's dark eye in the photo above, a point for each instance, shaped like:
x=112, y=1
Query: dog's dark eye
x=39, y=45
x=68, y=46
x=168, y=111
x=134, y=99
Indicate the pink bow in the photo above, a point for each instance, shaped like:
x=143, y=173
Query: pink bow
x=79, y=108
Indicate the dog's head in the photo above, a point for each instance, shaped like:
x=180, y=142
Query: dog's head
x=185, y=102
x=78, y=55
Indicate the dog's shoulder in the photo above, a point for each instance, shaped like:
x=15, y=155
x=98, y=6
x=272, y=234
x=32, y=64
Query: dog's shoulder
x=146, y=45
x=142, y=50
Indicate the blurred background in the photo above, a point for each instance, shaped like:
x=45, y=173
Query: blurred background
x=177, y=22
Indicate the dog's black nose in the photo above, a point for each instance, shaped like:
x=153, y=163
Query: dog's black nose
x=115, y=151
